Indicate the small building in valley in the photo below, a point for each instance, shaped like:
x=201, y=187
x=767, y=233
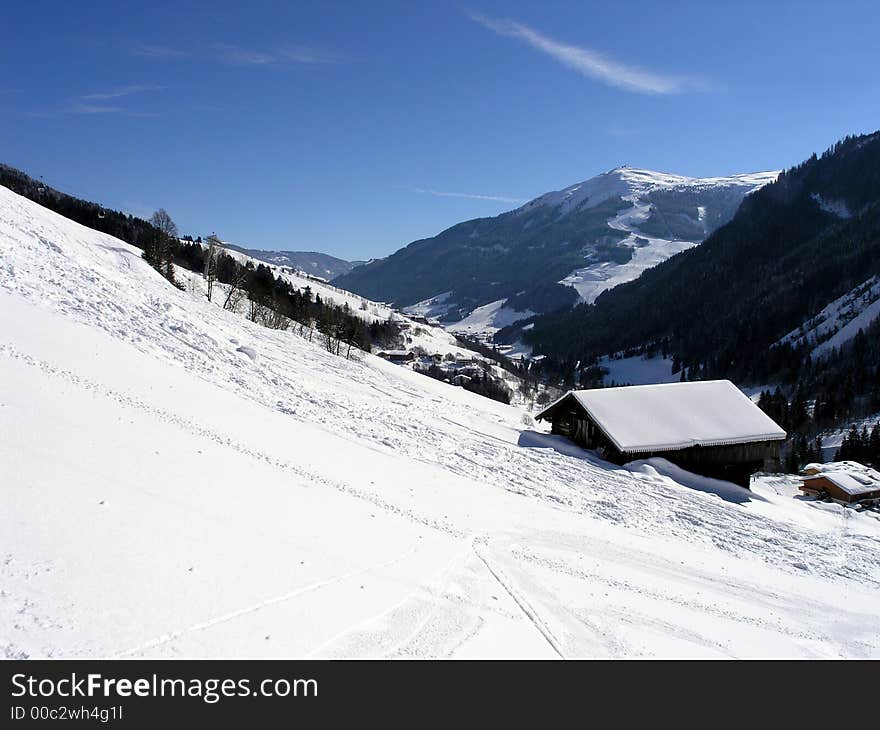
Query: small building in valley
x=397, y=356
x=846, y=482
x=709, y=427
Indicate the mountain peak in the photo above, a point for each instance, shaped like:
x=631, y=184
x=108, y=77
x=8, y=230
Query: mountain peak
x=631, y=182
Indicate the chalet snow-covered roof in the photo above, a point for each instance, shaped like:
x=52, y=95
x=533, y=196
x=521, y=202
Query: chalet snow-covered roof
x=671, y=416
x=852, y=483
x=850, y=476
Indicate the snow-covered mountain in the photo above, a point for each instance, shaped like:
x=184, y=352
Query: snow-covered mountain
x=179, y=481
x=313, y=263
x=560, y=248
x=797, y=264
x=666, y=214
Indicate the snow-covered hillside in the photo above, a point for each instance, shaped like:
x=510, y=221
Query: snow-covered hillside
x=178, y=481
x=840, y=320
x=431, y=338
x=488, y=319
x=665, y=215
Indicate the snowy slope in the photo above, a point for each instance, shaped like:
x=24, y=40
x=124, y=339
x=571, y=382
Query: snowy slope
x=488, y=319
x=181, y=482
x=431, y=338
x=681, y=204
x=840, y=320
x=638, y=370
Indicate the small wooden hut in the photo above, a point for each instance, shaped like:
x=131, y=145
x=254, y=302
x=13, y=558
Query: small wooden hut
x=709, y=427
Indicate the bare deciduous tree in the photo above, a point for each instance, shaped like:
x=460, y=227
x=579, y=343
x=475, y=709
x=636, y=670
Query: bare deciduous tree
x=211, y=263
x=236, y=289
x=163, y=222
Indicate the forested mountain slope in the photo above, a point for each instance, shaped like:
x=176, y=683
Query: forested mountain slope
x=792, y=248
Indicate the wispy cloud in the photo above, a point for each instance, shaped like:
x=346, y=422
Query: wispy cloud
x=273, y=56
x=123, y=91
x=150, y=50
x=243, y=56
x=229, y=53
x=591, y=63
x=471, y=196
x=82, y=108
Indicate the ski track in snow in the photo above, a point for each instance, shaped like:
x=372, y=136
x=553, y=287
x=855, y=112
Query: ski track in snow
x=555, y=552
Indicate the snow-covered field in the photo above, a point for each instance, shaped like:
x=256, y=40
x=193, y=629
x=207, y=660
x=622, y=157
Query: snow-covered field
x=638, y=370
x=488, y=319
x=177, y=481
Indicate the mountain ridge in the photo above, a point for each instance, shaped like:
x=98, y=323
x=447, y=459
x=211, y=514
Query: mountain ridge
x=562, y=247
x=313, y=263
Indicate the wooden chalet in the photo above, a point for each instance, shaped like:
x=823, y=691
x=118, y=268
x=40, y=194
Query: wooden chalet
x=845, y=482
x=708, y=427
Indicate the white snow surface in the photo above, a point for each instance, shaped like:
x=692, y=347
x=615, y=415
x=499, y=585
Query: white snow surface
x=835, y=207
x=178, y=481
x=832, y=439
x=488, y=319
x=677, y=415
x=840, y=320
x=634, y=181
x=434, y=339
x=638, y=370
x=435, y=306
x=632, y=185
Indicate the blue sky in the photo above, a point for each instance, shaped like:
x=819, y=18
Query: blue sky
x=355, y=128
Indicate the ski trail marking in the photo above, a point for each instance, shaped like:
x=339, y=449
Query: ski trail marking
x=201, y=626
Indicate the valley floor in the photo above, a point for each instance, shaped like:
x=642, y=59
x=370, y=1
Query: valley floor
x=178, y=481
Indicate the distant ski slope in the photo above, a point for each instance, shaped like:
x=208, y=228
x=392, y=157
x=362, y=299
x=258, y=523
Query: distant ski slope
x=178, y=481
x=840, y=320
x=641, y=189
